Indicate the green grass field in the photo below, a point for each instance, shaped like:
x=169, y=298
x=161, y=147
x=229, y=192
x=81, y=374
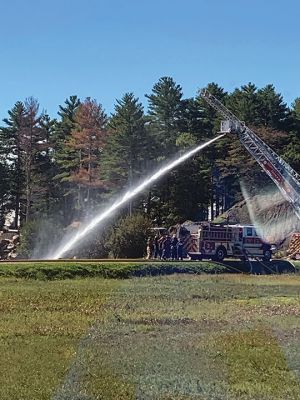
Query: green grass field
x=49, y=270
x=181, y=336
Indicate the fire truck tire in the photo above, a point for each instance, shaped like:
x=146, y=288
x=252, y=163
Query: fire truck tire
x=267, y=255
x=221, y=253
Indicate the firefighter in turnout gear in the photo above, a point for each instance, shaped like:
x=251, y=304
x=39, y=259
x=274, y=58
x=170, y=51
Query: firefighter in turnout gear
x=174, y=242
x=180, y=249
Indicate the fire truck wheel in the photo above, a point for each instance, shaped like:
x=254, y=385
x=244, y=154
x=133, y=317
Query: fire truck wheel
x=220, y=253
x=267, y=255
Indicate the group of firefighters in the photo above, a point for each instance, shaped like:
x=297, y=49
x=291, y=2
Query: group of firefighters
x=165, y=247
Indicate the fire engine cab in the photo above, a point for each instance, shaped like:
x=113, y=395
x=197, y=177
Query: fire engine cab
x=220, y=241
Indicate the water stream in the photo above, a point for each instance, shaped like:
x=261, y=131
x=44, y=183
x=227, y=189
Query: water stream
x=66, y=246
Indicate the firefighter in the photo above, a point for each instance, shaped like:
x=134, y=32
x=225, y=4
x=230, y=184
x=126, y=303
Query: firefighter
x=149, y=248
x=156, y=247
x=174, y=242
x=180, y=249
x=160, y=246
x=166, y=248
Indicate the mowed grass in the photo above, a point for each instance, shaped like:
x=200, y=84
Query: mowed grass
x=40, y=327
x=169, y=337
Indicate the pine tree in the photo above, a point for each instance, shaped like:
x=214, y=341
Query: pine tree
x=66, y=158
x=127, y=146
x=87, y=138
x=296, y=111
x=45, y=169
x=22, y=141
x=244, y=103
x=240, y=165
x=32, y=139
x=67, y=115
x=11, y=150
x=191, y=120
x=210, y=117
x=211, y=126
x=128, y=149
x=292, y=149
x=264, y=111
x=4, y=191
x=165, y=109
x=273, y=112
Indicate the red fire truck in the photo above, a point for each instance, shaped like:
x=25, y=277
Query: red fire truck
x=220, y=241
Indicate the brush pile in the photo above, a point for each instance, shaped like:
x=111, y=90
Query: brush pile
x=9, y=239
x=293, y=250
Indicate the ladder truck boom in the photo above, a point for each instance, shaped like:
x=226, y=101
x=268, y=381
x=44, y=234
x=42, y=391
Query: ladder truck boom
x=282, y=174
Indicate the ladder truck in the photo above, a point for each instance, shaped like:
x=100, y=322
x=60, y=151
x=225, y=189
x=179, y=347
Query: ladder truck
x=282, y=174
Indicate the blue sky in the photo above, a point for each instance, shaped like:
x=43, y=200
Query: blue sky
x=102, y=49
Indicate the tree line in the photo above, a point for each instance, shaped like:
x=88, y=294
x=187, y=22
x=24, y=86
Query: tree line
x=67, y=167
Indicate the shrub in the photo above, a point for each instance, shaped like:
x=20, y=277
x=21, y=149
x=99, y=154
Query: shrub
x=93, y=246
x=128, y=237
x=37, y=237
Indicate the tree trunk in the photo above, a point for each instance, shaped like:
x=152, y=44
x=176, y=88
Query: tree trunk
x=148, y=207
x=130, y=187
x=17, y=211
x=212, y=196
x=28, y=188
x=19, y=183
x=217, y=203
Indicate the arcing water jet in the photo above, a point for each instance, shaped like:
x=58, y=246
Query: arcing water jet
x=125, y=198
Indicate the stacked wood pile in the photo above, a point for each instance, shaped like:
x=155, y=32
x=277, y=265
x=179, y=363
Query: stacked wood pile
x=293, y=250
x=9, y=239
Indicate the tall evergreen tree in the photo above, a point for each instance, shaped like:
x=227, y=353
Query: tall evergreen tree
x=216, y=184
x=32, y=139
x=191, y=120
x=165, y=110
x=292, y=149
x=11, y=149
x=273, y=112
x=128, y=148
x=296, y=112
x=4, y=191
x=265, y=108
x=209, y=117
x=244, y=103
x=46, y=204
x=67, y=118
x=66, y=158
x=22, y=142
x=87, y=138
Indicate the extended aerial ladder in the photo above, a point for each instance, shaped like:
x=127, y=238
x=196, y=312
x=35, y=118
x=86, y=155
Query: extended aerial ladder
x=282, y=174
